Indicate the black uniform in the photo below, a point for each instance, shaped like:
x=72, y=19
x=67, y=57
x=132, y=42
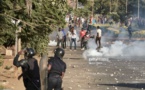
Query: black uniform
x=54, y=75
x=30, y=72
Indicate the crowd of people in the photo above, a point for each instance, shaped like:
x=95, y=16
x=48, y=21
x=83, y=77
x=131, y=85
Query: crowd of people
x=71, y=38
x=79, y=21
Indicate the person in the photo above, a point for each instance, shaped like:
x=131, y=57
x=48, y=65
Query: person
x=73, y=38
x=86, y=37
x=64, y=39
x=69, y=25
x=30, y=69
x=98, y=37
x=130, y=31
x=85, y=25
x=82, y=33
x=60, y=37
x=69, y=36
x=89, y=28
x=56, y=70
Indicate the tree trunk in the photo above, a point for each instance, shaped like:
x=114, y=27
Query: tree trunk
x=29, y=6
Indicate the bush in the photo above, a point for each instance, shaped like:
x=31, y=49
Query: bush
x=115, y=17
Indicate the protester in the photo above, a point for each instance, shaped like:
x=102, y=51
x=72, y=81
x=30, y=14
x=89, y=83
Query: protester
x=86, y=37
x=60, y=37
x=85, y=25
x=89, y=28
x=56, y=70
x=98, y=37
x=130, y=31
x=73, y=38
x=30, y=69
x=64, y=39
x=82, y=33
x=69, y=37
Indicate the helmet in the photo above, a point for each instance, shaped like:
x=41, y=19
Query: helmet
x=59, y=52
x=29, y=52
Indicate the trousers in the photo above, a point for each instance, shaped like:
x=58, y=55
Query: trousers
x=54, y=83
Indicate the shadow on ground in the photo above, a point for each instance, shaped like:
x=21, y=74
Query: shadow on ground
x=129, y=85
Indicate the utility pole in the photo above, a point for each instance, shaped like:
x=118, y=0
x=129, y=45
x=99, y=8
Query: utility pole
x=138, y=7
x=126, y=5
x=17, y=41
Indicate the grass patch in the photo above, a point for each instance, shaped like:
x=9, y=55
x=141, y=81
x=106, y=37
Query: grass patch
x=140, y=33
x=135, y=34
x=102, y=25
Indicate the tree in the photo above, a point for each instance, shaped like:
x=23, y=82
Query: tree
x=38, y=18
x=118, y=8
x=102, y=6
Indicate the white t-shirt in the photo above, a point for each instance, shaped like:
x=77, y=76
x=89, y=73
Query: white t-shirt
x=99, y=32
x=74, y=35
x=60, y=34
x=67, y=19
x=69, y=34
x=83, y=20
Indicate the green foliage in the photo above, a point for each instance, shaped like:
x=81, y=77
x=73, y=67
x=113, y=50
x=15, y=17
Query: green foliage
x=115, y=17
x=82, y=12
x=101, y=6
x=119, y=7
x=84, y=2
x=36, y=22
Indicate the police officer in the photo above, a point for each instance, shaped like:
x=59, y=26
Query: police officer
x=30, y=69
x=56, y=70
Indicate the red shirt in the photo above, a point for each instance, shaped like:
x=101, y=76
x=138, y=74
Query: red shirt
x=82, y=33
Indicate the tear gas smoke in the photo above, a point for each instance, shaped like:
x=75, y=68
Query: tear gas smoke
x=52, y=43
x=118, y=48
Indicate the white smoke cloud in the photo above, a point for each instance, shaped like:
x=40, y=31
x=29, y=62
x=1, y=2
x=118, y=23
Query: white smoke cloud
x=117, y=48
x=52, y=43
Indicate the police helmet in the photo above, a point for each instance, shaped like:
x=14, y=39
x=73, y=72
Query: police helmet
x=59, y=52
x=29, y=52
